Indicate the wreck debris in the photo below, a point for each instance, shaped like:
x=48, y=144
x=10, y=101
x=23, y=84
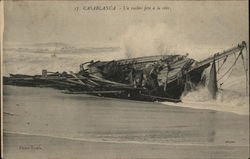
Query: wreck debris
x=162, y=78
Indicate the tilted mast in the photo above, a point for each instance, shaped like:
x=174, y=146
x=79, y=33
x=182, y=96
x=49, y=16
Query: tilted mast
x=219, y=56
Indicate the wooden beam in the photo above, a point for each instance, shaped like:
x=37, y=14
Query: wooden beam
x=94, y=92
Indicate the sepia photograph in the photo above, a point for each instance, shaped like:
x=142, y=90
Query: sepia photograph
x=123, y=79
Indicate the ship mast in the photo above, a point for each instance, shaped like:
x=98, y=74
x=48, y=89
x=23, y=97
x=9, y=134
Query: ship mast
x=219, y=56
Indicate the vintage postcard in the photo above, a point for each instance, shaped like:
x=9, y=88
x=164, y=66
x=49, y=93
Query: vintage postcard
x=124, y=79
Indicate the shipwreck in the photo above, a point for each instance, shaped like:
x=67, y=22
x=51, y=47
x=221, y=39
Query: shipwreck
x=151, y=78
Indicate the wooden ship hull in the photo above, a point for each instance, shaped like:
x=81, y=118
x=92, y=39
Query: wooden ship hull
x=151, y=78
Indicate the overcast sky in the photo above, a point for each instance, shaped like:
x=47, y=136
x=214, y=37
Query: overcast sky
x=197, y=22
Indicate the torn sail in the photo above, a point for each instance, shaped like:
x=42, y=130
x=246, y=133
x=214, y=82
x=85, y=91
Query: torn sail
x=212, y=84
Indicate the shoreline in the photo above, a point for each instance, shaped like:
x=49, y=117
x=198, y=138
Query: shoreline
x=169, y=104
x=54, y=148
x=120, y=142
x=41, y=122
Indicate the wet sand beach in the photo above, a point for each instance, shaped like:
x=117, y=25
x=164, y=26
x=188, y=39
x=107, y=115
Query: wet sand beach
x=45, y=123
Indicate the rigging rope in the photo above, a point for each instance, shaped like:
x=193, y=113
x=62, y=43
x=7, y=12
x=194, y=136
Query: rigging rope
x=224, y=61
x=242, y=57
x=226, y=78
x=230, y=69
x=246, y=70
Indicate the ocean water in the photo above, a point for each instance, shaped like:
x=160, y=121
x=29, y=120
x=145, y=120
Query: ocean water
x=233, y=94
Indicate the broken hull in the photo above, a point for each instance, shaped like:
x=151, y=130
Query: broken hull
x=139, y=95
x=173, y=91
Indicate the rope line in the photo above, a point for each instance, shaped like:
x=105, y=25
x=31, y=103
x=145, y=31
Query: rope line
x=224, y=61
x=245, y=68
x=230, y=67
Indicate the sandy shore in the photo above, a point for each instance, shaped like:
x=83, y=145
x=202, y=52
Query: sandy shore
x=44, y=123
x=29, y=147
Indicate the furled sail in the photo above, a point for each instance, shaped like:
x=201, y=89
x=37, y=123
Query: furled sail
x=212, y=84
